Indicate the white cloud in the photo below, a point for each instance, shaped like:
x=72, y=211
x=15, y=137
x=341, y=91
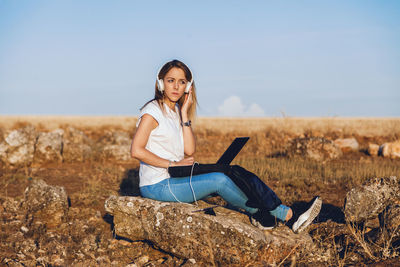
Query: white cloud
x=255, y=111
x=233, y=107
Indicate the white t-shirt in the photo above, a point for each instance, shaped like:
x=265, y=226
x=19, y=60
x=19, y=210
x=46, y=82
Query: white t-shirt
x=166, y=141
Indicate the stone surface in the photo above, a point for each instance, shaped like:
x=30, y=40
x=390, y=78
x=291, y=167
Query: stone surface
x=392, y=217
x=45, y=203
x=373, y=149
x=3, y=152
x=227, y=239
x=388, y=235
x=76, y=146
x=391, y=150
x=117, y=146
x=316, y=148
x=367, y=201
x=18, y=146
x=117, y=152
x=48, y=148
x=347, y=144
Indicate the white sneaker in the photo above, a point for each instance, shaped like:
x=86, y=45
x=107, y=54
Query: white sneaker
x=307, y=217
x=257, y=224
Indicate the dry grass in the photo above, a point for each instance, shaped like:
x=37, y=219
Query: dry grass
x=49, y=123
x=297, y=126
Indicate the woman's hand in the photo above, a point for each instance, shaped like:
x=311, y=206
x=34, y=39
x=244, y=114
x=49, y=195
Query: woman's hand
x=183, y=162
x=188, y=102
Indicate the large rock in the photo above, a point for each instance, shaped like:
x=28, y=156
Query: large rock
x=391, y=150
x=392, y=218
x=367, y=201
x=316, y=148
x=18, y=146
x=48, y=147
x=373, y=149
x=347, y=144
x=45, y=203
x=117, y=152
x=3, y=152
x=77, y=147
x=225, y=239
x=118, y=147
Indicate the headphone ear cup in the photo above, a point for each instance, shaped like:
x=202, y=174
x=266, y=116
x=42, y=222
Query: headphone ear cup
x=189, y=84
x=160, y=85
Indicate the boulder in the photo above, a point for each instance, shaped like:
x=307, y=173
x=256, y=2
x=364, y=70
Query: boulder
x=226, y=239
x=121, y=138
x=117, y=152
x=118, y=146
x=347, y=144
x=18, y=146
x=392, y=218
x=77, y=147
x=388, y=235
x=316, y=148
x=45, y=203
x=373, y=149
x=391, y=150
x=48, y=147
x=365, y=202
x=3, y=152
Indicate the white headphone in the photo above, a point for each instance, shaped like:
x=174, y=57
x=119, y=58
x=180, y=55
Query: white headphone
x=160, y=82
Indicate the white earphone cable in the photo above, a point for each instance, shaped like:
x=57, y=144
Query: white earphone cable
x=190, y=183
x=169, y=187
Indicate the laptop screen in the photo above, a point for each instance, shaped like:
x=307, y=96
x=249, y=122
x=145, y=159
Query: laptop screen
x=233, y=150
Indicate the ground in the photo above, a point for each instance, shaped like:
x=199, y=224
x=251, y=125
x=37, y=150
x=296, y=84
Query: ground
x=87, y=236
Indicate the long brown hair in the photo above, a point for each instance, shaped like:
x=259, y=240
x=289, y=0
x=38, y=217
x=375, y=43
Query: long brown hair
x=159, y=96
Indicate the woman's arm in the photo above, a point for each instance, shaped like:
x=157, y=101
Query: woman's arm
x=188, y=137
x=138, y=147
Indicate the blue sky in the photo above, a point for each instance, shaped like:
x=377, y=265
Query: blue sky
x=249, y=58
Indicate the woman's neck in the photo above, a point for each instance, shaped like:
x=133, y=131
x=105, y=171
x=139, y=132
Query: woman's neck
x=170, y=104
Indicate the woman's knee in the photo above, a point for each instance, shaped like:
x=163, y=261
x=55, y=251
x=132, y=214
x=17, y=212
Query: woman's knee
x=221, y=180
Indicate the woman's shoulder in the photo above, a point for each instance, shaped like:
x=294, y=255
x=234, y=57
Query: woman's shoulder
x=151, y=105
x=152, y=108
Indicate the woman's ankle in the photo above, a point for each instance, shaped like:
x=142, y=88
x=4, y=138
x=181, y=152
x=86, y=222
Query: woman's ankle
x=289, y=215
x=282, y=212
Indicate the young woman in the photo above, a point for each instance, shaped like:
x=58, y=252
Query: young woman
x=164, y=138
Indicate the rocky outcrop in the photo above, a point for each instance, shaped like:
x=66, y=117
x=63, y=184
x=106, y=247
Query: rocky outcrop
x=77, y=146
x=347, y=144
x=391, y=150
x=316, y=148
x=118, y=147
x=392, y=218
x=26, y=146
x=45, y=203
x=373, y=149
x=48, y=147
x=225, y=239
x=18, y=146
x=366, y=202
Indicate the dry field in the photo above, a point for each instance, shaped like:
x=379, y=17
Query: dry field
x=296, y=180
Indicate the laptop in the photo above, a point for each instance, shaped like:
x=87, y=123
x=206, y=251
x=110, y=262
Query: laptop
x=233, y=150
x=226, y=158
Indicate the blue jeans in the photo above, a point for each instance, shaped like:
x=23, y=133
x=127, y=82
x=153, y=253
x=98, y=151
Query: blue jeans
x=203, y=186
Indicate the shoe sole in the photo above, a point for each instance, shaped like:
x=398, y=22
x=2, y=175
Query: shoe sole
x=315, y=209
x=257, y=224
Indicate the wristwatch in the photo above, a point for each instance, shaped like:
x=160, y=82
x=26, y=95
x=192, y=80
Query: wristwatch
x=188, y=123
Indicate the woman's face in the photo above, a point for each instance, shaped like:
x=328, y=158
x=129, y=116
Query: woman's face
x=174, y=85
